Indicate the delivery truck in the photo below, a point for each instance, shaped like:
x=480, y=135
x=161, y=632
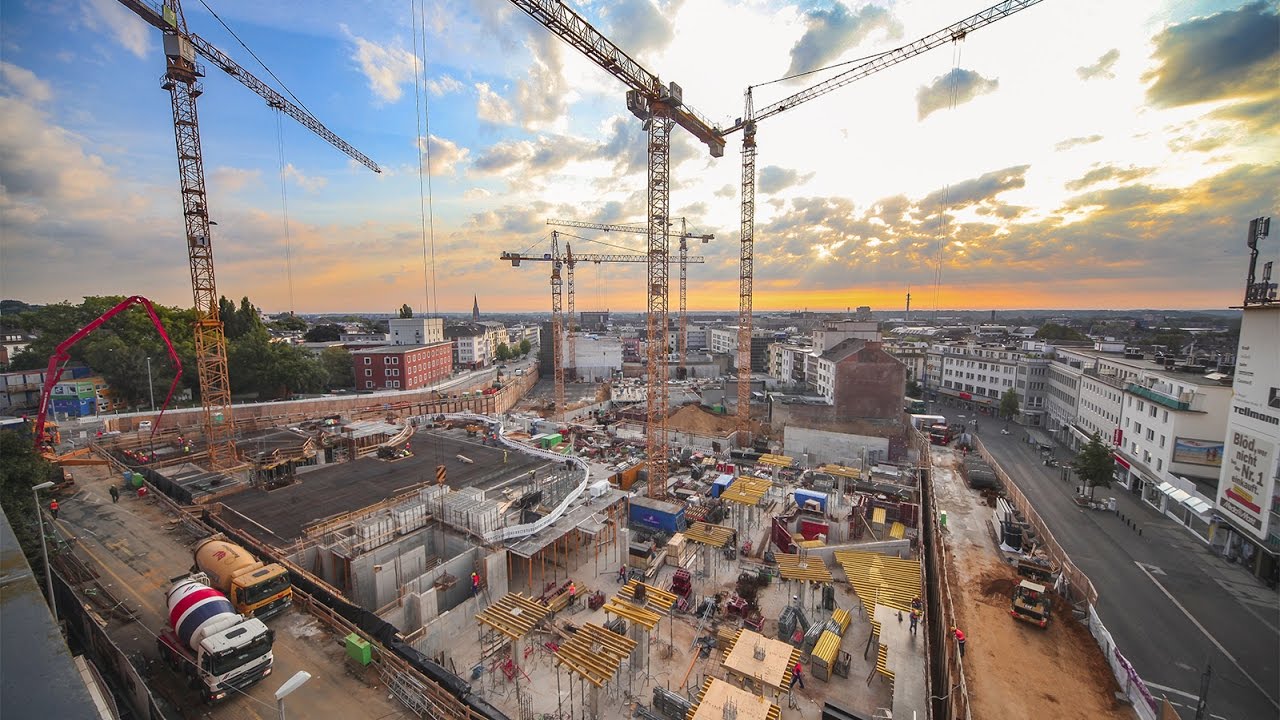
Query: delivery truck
x=220, y=650
x=256, y=589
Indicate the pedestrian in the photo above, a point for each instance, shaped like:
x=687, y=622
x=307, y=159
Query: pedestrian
x=915, y=620
x=475, y=584
x=795, y=677
x=53, y=509
x=115, y=494
x=622, y=574
x=573, y=591
x=959, y=639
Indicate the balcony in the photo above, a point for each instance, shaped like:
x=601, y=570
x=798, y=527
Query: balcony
x=1156, y=397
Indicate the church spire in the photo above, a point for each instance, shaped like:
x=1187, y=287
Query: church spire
x=475, y=308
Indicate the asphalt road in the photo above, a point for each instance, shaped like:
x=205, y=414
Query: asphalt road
x=1171, y=605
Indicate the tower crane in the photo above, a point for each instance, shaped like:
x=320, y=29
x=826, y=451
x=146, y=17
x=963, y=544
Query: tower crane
x=568, y=260
x=182, y=80
x=659, y=106
x=685, y=236
x=747, y=124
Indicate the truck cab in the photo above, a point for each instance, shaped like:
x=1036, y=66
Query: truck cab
x=263, y=592
x=1030, y=603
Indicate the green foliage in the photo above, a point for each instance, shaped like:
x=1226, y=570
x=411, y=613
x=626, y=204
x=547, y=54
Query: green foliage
x=323, y=333
x=1009, y=404
x=1054, y=331
x=339, y=372
x=272, y=370
x=914, y=390
x=13, y=307
x=406, y=311
x=23, y=468
x=525, y=347
x=1094, y=464
x=503, y=353
x=288, y=322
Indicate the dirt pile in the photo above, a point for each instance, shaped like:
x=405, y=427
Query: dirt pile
x=1001, y=587
x=694, y=419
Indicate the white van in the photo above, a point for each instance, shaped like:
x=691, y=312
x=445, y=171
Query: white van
x=144, y=426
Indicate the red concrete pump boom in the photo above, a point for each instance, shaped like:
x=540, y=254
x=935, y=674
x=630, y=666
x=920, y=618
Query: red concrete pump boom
x=60, y=357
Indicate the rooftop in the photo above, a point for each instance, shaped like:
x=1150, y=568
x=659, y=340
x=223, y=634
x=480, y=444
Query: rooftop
x=395, y=349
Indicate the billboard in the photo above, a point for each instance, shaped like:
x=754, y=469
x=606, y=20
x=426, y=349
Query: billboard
x=1247, y=480
x=1198, y=452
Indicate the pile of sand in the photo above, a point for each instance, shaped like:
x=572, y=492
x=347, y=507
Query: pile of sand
x=695, y=419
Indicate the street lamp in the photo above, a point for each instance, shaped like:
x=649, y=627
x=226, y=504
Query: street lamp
x=151, y=388
x=289, y=686
x=44, y=548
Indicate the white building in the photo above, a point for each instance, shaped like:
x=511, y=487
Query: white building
x=1247, y=497
x=470, y=345
x=723, y=340
x=416, y=331
x=787, y=362
x=599, y=358
x=836, y=331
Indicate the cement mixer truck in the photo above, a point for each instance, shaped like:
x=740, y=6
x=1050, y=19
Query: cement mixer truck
x=220, y=650
x=254, y=588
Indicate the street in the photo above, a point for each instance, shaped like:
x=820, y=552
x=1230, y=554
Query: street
x=1171, y=605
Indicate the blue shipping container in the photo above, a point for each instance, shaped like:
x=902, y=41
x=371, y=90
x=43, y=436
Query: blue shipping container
x=657, y=515
x=721, y=484
x=803, y=496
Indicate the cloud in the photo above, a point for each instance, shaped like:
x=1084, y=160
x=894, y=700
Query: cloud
x=386, y=67
x=1102, y=68
x=476, y=193
x=1232, y=54
x=542, y=96
x=1076, y=142
x=828, y=33
x=726, y=191
x=309, y=183
x=774, y=179
x=638, y=25
x=25, y=83
x=547, y=154
x=491, y=107
x=232, y=180
x=443, y=85
x=120, y=23
x=445, y=155
x=977, y=190
x=957, y=87
x=1108, y=172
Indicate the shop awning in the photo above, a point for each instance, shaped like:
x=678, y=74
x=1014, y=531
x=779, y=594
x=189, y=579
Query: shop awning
x=1166, y=488
x=1179, y=495
x=1198, y=505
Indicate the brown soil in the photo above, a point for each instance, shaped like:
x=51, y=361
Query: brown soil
x=1012, y=668
x=694, y=419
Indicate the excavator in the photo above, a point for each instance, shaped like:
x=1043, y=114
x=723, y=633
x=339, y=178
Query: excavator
x=45, y=432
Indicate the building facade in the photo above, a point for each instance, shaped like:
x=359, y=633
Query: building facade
x=470, y=345
x=416, y=331
x=402, y=367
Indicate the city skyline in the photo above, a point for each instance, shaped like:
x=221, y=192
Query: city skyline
x=1088, y=156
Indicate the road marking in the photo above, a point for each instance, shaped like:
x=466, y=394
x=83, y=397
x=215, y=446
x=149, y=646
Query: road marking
x=1163, y=688
x=1150, y=568
x=1212, y=639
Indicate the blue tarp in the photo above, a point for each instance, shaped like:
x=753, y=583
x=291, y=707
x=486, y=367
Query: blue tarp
x=803, y=496
x=721, y=484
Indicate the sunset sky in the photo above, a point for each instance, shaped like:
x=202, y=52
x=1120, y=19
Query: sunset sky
x=1078, y=154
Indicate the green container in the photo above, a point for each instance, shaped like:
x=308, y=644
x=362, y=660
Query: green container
x=359, y=650
x=942, y=518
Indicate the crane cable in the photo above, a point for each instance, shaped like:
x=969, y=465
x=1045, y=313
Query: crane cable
x=426, y=210
x=284, y=204
x=953, y=91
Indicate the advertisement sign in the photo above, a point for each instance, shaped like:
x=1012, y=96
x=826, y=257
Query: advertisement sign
x=1198, y=452
x=1248, y=478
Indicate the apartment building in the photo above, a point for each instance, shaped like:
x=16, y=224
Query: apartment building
x=913, y=354
x=786, y=362
x=416, y=331
x=402, y=367
x=470, y=345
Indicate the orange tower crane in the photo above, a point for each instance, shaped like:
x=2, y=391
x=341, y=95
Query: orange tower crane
x=182, y=80
x=684, y=237
x=659, y=106
x=558, y=285
x=747, y=124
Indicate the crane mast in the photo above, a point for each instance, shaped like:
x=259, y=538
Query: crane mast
x=747, y=124
x=660, y=107
x=557, y=322
x=182, y=80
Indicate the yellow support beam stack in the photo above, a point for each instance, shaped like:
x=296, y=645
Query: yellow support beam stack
x=716, y=536
x=638, y=615
x=654, y=598
x=747, y=490
x=716, y=694
x=881, y=579
x=796, y=567
x=595, y=653
x=514, y=615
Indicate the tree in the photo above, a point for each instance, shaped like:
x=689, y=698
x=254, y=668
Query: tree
x=914, y=390
x=1009, y=404
x=1095, y=465
x=22, y=468
x=503, y=353
x=406, y=311
x=1053, y=331
x=288, y=322
x=324, y=333
x=338, y=369
x=525, y=347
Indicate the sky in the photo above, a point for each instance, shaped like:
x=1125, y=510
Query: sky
x=1076, y=154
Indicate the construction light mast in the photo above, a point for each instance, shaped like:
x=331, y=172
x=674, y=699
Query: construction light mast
x=659, y=106
x=747, y=124
x=182, y=80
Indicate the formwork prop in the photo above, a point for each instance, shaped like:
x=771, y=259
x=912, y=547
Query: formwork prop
x=711, y=540
x=595, y=655
x=514, y=617
x=745, y=494
x=803, y=570
x=652, y=601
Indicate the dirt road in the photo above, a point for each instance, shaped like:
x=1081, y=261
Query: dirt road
x=1014, y=669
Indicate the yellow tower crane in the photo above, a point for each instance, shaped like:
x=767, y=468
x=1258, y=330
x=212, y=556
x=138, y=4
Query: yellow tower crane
x=182, y=80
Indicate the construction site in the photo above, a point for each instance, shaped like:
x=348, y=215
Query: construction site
x=551, y=549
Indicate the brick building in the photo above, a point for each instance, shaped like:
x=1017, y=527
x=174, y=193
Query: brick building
x=402, y=367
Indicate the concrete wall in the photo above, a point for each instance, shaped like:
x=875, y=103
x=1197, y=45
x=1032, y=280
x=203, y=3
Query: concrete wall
x=832, y=447
x=869, y=384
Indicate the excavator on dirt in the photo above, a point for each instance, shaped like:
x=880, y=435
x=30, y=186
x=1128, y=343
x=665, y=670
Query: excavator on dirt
x=1030, y=603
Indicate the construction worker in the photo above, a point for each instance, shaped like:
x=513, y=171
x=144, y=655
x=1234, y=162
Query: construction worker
x=115, y=494
x=795, y=677
x=475, y=584
x=53, y=509
x=959, y=639
x=622, y=574
x=573, y=591
x=915, y=619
